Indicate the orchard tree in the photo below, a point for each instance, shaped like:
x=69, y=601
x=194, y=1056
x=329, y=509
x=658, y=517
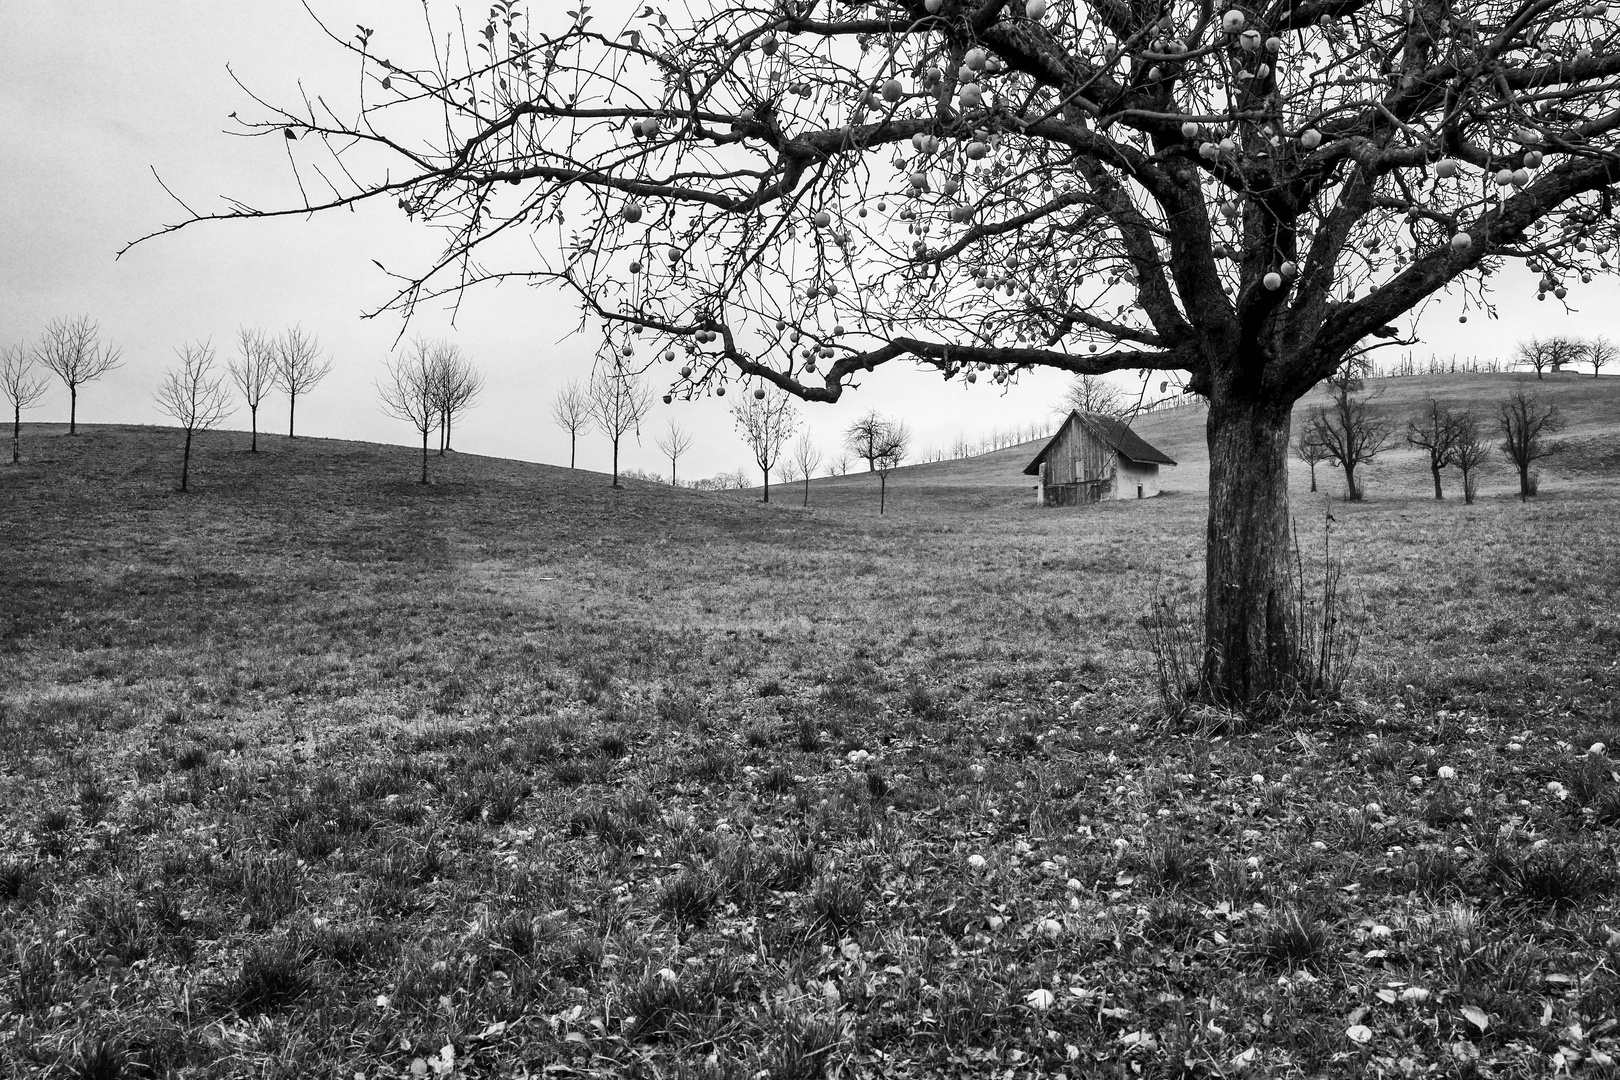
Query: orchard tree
x=72, y=348
x=1310, y=449
x=883, y=444
x=1525, y=422
x=800, y=191
x=806, y=458
x=674, y=441
x=21, y=388
x=571, y=408
x=1600, y=353
x=297, y=366
x=619, y=401
x=767, y=420
x=253, y=372
x=1550, y=353
x=409, y=391
x=1434, y=431
x=194, y=394
x=1347, y=430
x=1469, y=450
x=456, y=386
x=1093, y=395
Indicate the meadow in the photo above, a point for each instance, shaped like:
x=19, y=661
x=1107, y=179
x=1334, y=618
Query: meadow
x=316, y=771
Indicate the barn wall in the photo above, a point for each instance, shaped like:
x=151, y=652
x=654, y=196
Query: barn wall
x=1077, y=456
x=1132, y=473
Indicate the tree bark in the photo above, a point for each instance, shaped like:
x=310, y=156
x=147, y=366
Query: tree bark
x=1313, y=476
x=615, y=461
x=1251, y=597
x=1524, y=480
x=807, y=488
x=16, y=435
x=185, y=463
x=883, y=491
x=1354, y=493
x=1435, y=469
x=292, y=405
x=253, y=414
x=766, y=474
x=573, y=441
x=73, y=409
x=424, y=454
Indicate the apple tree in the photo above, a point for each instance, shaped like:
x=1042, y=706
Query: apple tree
x=795, y=192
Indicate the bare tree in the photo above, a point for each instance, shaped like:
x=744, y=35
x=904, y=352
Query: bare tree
x=674, y=441
x=1433, y=430
x=408, y=391
x=1468, y=451
x=1600, y=353
x=806, y=457
x=961, y=447
x=1094, y=395
x=456, y=385
x=1550, y=353
x=571, y=408
x=1310, y=449
x=1347, y=430
x=21, y=387
x=1525, y=422
x=1252, y=196
x=298, y=367
x=72, y=349
x=767, y=419
x=619, y=403
x=253, y=371
x=840, y=462
x=195, y=395
x=880, y=442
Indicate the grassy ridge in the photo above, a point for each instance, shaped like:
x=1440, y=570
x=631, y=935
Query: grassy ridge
x=319, y=771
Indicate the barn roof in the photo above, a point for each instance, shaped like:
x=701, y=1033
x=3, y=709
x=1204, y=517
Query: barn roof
x=1117, y=434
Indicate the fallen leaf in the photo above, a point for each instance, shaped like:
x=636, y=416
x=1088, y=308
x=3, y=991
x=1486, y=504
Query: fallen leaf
x=1476, y=1016
x=1359, y=1033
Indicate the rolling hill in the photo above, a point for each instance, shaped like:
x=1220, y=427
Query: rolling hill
x=1590, y=407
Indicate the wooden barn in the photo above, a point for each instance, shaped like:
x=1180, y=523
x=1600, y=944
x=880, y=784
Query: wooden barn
x=1093, y=458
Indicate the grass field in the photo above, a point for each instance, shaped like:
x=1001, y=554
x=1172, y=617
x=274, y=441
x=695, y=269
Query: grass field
x=319, y=772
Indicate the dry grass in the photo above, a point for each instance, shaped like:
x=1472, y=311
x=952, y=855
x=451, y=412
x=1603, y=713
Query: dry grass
x=316, y=771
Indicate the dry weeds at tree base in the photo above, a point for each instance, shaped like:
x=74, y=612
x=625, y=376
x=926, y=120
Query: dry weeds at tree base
x=394, y=769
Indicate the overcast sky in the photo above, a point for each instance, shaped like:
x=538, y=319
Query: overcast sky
x=94, y=101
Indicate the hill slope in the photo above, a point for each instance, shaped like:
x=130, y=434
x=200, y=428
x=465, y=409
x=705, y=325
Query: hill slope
x=1590, y=407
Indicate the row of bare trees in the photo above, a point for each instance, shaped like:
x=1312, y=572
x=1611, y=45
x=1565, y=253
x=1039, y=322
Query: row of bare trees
x=290, y=362
x=73, y=351
x=1349, y=433
x=1561, y=351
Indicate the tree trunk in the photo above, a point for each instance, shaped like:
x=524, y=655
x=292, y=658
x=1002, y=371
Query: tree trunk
x=292, y=405
x=615, y=461
x=573, y=440
x=1435, y=469
x=807, y=487
x=766, y=473
x=672, y=472
x=1524, y=481
x=1250, y=597
x=185, y=463
x=253, y=414
x=1354, y=493
x=424, y=453
x=73, y=409
x=16, y=435
x=883, y=490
